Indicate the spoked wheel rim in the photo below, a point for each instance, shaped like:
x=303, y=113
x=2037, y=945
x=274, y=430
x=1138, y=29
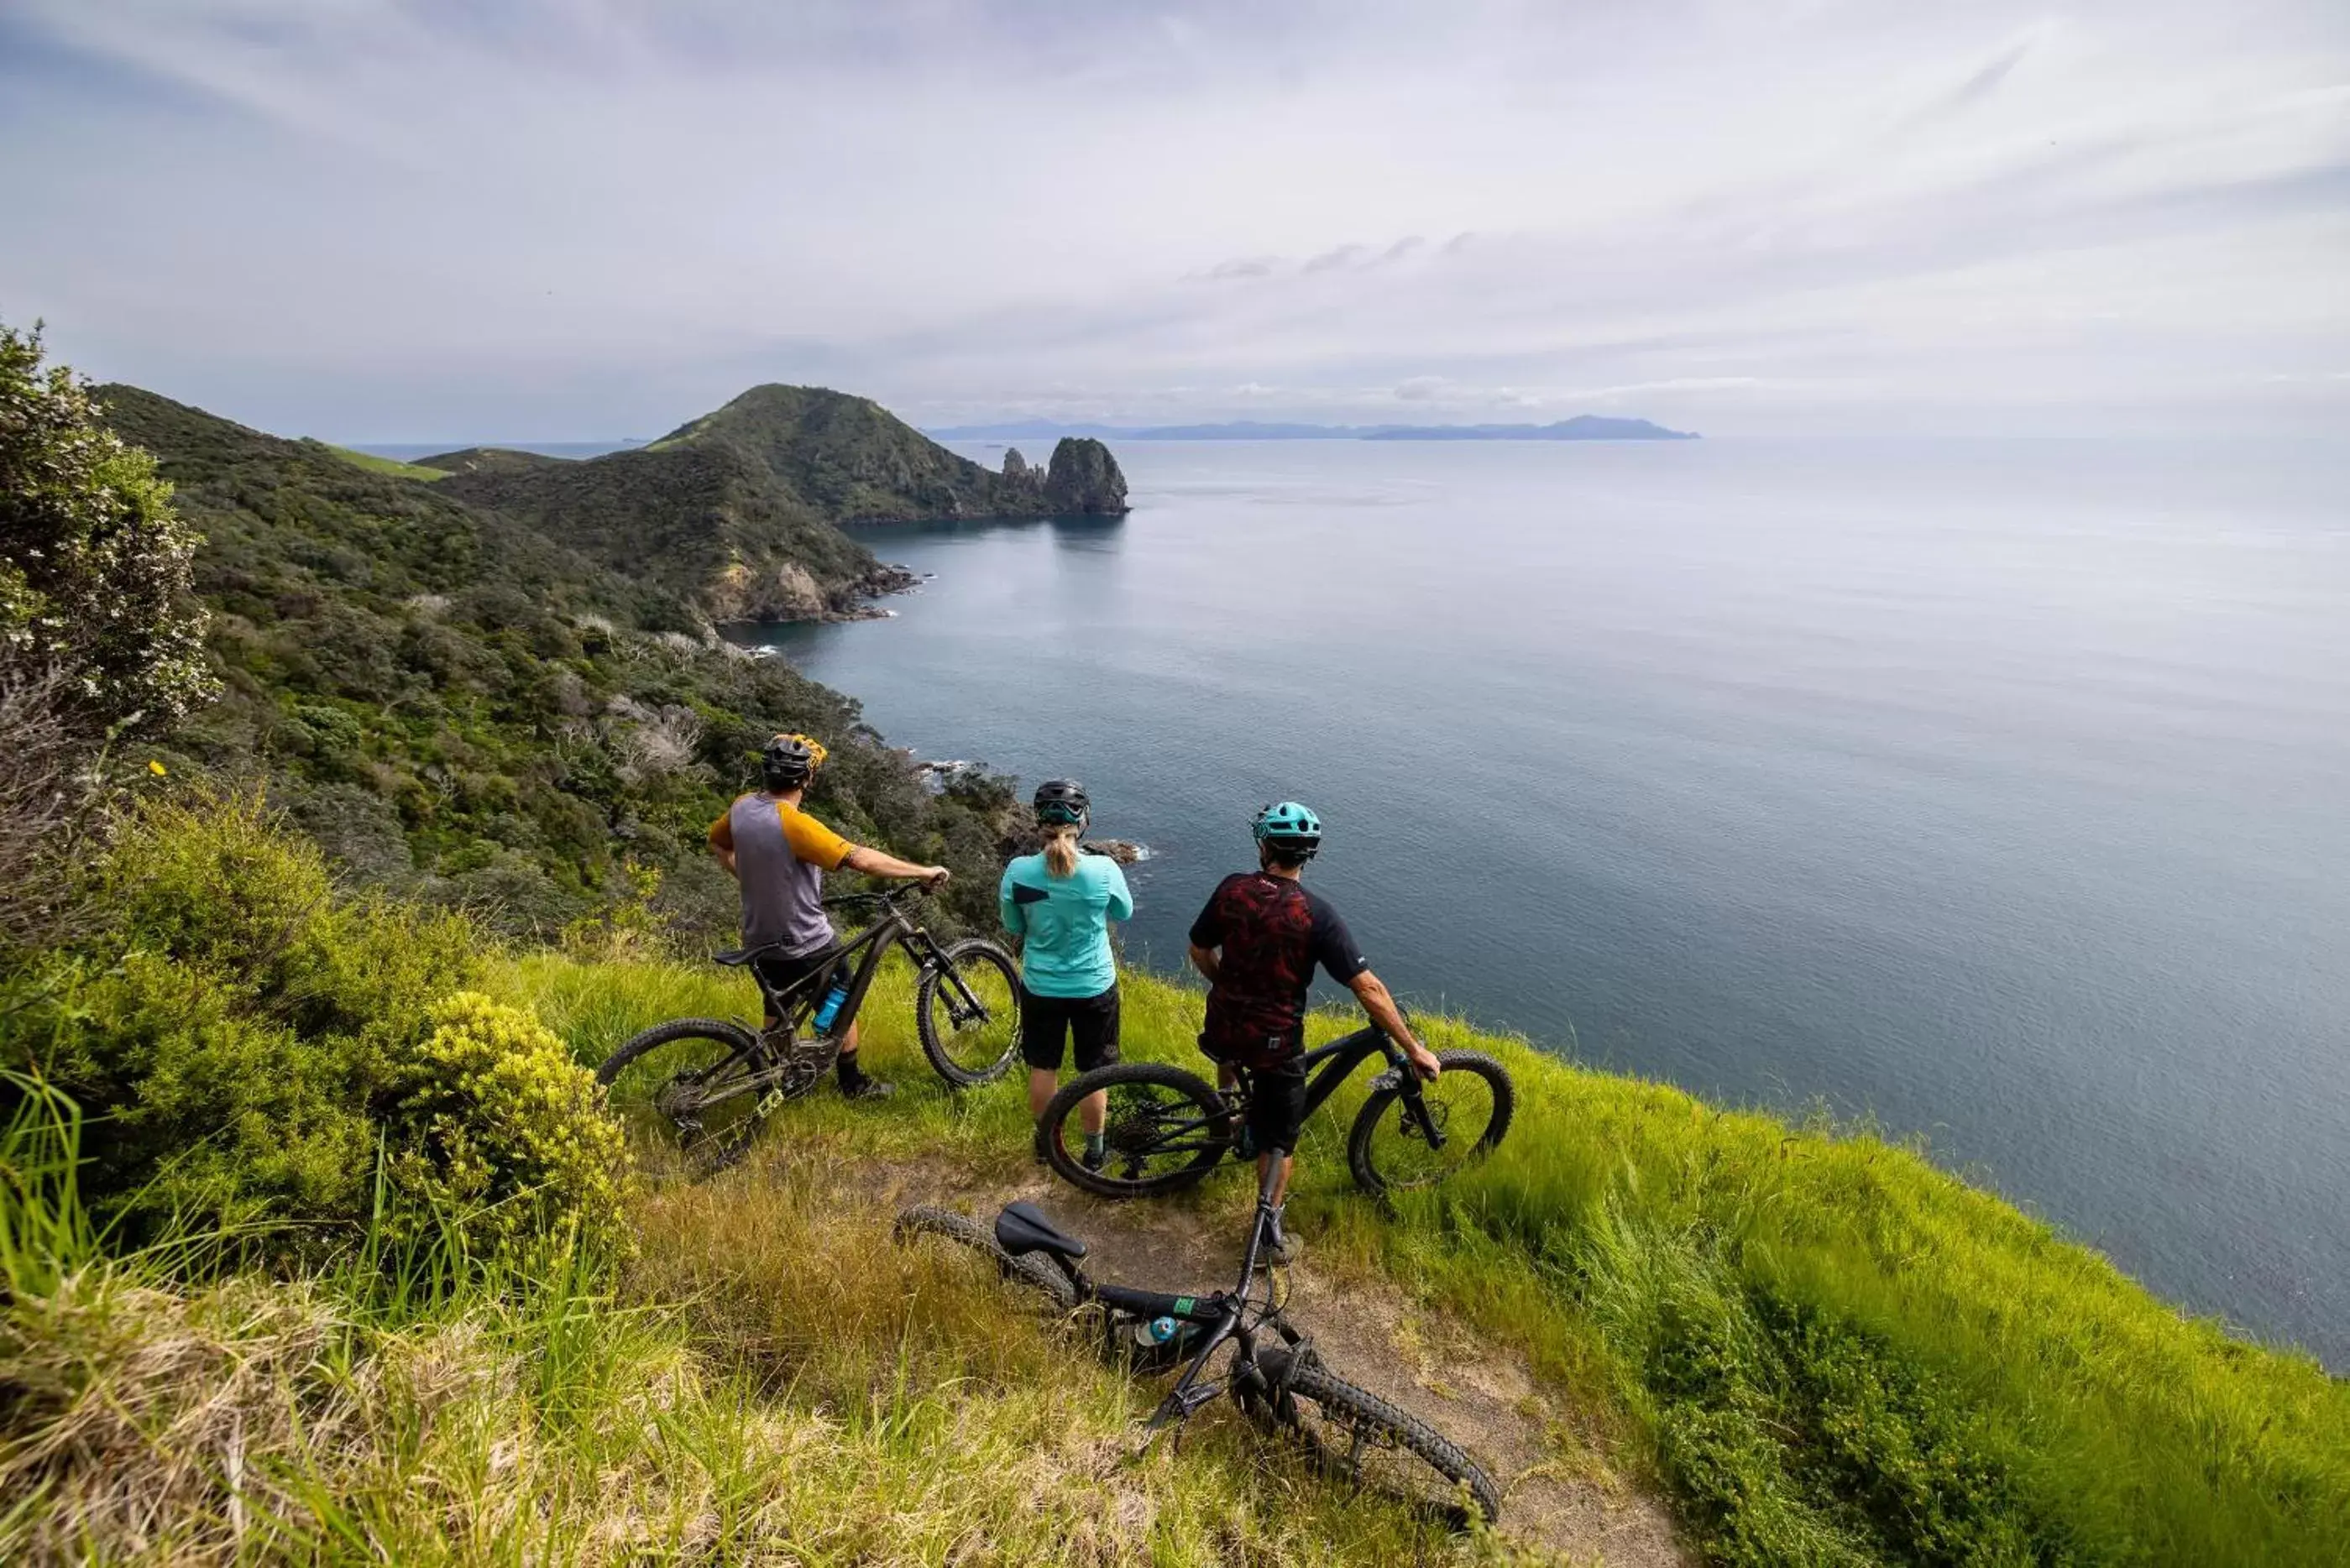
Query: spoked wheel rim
x=1467, y=1109
x=1151, y=1132
x=971, y=1017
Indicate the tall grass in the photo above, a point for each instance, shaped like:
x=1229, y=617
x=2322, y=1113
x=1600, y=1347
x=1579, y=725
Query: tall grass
x=773, y=1382
x=1826, y=1349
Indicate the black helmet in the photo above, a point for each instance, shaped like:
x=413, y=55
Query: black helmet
x=1062, y=802
x=790, y=760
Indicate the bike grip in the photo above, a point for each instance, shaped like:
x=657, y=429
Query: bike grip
x=1157, y=1303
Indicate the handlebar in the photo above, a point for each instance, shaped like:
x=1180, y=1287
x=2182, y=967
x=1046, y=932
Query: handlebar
x=1207, y=1309
x=886, y=896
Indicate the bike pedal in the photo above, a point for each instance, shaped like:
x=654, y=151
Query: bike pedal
x=1171, y=1411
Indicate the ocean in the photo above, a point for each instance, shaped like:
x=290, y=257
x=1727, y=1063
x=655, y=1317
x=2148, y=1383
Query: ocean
x=1995, y=793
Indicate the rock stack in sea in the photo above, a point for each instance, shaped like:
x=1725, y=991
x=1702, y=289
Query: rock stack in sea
x=1083, y=480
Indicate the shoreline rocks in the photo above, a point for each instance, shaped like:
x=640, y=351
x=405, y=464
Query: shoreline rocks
x=853, y=600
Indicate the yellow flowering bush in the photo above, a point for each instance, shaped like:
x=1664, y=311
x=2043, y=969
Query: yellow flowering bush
x=506, y=1137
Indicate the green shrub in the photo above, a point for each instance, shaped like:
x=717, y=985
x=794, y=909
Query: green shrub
x=236, y=1027
x=94, y=562
x=505, y=1136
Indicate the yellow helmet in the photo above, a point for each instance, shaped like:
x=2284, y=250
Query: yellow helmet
x=790, y=760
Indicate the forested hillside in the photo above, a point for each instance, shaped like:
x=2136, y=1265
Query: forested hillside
x=456, y=706
x=735, y=510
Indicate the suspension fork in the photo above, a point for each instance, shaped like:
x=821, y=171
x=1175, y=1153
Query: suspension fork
x=1411, y=1088
x=960, y=996
x=1187, y=1396
x=1416, y=1107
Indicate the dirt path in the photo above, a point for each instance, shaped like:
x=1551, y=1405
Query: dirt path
x=1559, y=1496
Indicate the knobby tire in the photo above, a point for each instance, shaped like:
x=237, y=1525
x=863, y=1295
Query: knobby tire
x=715, y=1150
x=1348, y=1411
x=1034, y=1273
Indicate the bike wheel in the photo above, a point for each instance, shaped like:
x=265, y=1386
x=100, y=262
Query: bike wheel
x=1358, y=1437
x=1471, y=1102
x=693, y=1083
x=970, y=1024
x=1035, y=1274
x=1165, y=1127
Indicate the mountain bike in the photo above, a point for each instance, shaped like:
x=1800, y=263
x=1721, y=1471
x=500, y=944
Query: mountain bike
x=1277, y=1378
x=709, y=1084
x=1167, y=1126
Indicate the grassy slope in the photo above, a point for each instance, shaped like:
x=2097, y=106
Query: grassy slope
x=1827, y=1349
x=1824, y=1350
x=815, y=1396
x=386, y=465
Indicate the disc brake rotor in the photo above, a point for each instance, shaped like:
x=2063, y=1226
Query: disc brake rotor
x=1437, y=1111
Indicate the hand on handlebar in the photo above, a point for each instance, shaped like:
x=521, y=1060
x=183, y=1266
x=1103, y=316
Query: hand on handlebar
x=1423, y=1061
x=935, y=877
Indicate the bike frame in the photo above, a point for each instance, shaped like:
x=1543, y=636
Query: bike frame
x=1225, y=1314
x=1339, y=1059
x=1330, y=1065
x=895, y=928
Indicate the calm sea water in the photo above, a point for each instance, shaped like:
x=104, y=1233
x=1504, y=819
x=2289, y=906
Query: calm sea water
x=1998, y=791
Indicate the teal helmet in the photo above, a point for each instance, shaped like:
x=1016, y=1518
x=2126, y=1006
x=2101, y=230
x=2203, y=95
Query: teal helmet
x=1292, y=827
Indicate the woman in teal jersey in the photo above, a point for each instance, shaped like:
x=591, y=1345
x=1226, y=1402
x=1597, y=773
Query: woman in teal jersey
x=1061, y=902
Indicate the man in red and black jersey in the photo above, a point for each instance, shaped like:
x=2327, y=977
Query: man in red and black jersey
x=1257, y=942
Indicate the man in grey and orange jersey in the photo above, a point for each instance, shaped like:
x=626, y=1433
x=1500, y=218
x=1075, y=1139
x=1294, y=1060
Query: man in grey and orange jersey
x=779, y=854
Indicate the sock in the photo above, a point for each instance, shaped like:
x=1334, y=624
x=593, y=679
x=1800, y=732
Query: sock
x=851, y=1074
x=1094, y=1144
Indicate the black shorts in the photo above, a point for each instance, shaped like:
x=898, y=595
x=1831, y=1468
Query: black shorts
x=1277, y=1105
x=781, y=975
x=1089, y=1023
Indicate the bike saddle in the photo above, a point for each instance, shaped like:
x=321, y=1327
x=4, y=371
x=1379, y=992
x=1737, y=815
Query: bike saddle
x=1023, y=1229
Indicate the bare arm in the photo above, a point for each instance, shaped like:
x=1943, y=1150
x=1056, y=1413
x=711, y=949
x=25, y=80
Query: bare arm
x=1204, y=960
x=873, y=863
x=726, y=858
x=1373, y=994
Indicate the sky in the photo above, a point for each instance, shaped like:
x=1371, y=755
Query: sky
x=393, y=221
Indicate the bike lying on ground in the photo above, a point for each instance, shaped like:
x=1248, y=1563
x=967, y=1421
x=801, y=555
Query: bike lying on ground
x=1282, y=1387
x=708, y=1083
x=1166, y=1128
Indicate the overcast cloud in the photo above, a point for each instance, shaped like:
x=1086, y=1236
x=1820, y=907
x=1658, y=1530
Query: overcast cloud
x=525, y=219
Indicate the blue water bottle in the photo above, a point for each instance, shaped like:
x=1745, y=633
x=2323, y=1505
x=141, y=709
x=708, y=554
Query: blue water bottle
x=1157, y=1332
x=830, y=1008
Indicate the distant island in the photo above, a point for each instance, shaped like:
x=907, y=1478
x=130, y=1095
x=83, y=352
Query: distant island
x=1582, y=427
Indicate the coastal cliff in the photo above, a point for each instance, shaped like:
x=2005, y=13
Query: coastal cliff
x=741, y=511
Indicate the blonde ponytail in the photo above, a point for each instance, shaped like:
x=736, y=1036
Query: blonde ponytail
x=1061, y=849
